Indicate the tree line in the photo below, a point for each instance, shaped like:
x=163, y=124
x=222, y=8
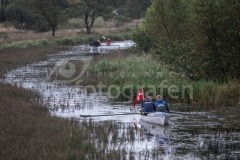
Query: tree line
x=199, y=38
x=43, y=15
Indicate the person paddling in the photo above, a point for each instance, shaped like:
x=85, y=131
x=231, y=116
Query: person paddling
x=161, y=105
x=147, y=105
x=108, y=42
x=95, y=43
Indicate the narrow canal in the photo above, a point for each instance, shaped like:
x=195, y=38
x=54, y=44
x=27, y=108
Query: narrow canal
x=185, y=137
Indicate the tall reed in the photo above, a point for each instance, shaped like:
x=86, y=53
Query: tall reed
x=28, y=131
x=135, y=71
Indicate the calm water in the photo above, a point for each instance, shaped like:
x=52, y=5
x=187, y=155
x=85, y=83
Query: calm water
x=185, y=137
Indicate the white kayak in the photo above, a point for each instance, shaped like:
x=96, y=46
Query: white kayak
x=160, y=118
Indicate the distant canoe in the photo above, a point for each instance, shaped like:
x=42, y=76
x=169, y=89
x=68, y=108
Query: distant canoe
x=103, y=49
x=98, y=50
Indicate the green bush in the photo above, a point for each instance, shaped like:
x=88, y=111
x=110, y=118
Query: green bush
x=66, y=41
x=73, y=23
x=142, y=39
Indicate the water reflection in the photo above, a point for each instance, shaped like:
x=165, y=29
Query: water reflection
x=153, y=132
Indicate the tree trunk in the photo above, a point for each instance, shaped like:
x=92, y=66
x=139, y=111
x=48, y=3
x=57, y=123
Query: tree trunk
x=53, y=30
x=88, y=29
x=89, y=22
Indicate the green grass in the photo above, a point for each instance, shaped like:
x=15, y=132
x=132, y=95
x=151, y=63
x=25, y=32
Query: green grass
x=134, y=71
x=27, y=43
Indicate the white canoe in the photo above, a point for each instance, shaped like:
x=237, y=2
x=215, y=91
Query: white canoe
x=95, y=50
x=103, y=49
x=160, y=118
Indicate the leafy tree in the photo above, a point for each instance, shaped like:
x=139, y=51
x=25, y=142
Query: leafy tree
x=90, y=11
x=52, y=11
x=199, y=38
x=2, y=15
x=137, y=8
x=23, y=15
x=142, y=39
x=3, y=3
x=107, y=15
x=39, y=24
x=18, y=14
x=218, y=47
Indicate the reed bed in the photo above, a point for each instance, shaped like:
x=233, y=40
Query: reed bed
x=143, y=71
x=28, y=131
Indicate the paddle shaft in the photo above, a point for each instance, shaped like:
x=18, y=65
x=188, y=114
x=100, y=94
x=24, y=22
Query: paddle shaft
x=187, y=114
x=117, y=114
x=120, y=114
x=99, y=115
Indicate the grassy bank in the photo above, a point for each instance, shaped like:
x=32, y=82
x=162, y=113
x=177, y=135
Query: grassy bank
x=130, y=73
x=28, y=131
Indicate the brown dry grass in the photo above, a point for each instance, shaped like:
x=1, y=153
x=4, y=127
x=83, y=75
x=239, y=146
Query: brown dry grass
x=31, y=35
x=12, y=58
x=7, y=29
x=112, y=26
x=28, y=131
x=25, y=129
x=19, y=35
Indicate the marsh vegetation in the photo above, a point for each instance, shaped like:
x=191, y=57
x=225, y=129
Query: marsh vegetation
x=32, y=108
